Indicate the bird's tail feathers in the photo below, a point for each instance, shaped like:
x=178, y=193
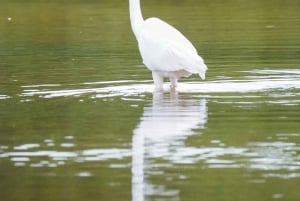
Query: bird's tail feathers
x=202, y=75
x=197, y=66
x=202, y=71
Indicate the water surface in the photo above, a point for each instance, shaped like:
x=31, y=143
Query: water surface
x=79, y=119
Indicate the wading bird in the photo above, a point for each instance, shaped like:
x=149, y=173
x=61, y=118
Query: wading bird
x=164, y=50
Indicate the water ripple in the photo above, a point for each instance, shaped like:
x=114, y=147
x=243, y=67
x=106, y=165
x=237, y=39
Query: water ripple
x=261, y=155
x=236, y=86
x=4, y=96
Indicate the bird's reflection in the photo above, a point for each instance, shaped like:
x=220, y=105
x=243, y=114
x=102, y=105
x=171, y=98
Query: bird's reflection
x=165, y=124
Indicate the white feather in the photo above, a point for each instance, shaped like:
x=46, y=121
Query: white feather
x=165, y=50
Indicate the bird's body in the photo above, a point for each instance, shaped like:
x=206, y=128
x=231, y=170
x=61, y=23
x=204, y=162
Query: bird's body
x=164, y=50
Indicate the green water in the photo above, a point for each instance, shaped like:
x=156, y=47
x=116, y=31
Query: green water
x=79, y=119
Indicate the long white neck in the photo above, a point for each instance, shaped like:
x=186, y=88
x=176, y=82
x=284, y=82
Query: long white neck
x=136, y=17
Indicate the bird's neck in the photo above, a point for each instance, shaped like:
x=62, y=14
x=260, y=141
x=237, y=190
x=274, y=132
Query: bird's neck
x=136, y=17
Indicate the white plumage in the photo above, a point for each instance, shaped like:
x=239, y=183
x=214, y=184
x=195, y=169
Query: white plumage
x=165, y=51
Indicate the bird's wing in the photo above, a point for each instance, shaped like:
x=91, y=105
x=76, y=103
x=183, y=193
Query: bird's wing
x=163, y=31
x=164, y=48
x=181, y=59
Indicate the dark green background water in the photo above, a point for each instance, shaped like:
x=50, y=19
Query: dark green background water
x=79, y=121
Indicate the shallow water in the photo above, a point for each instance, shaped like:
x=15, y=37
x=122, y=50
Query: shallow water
x=79, y=119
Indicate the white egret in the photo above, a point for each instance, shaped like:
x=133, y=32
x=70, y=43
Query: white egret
x=164, y=50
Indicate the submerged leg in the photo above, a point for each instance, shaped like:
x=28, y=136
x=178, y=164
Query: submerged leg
x=173, y=82
x=158, y=80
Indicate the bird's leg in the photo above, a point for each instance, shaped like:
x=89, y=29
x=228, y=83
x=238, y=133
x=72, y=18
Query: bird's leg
x=158, y=80
x=173, y=82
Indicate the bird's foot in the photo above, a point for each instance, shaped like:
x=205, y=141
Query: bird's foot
x=173, y=86
x=173, y=83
